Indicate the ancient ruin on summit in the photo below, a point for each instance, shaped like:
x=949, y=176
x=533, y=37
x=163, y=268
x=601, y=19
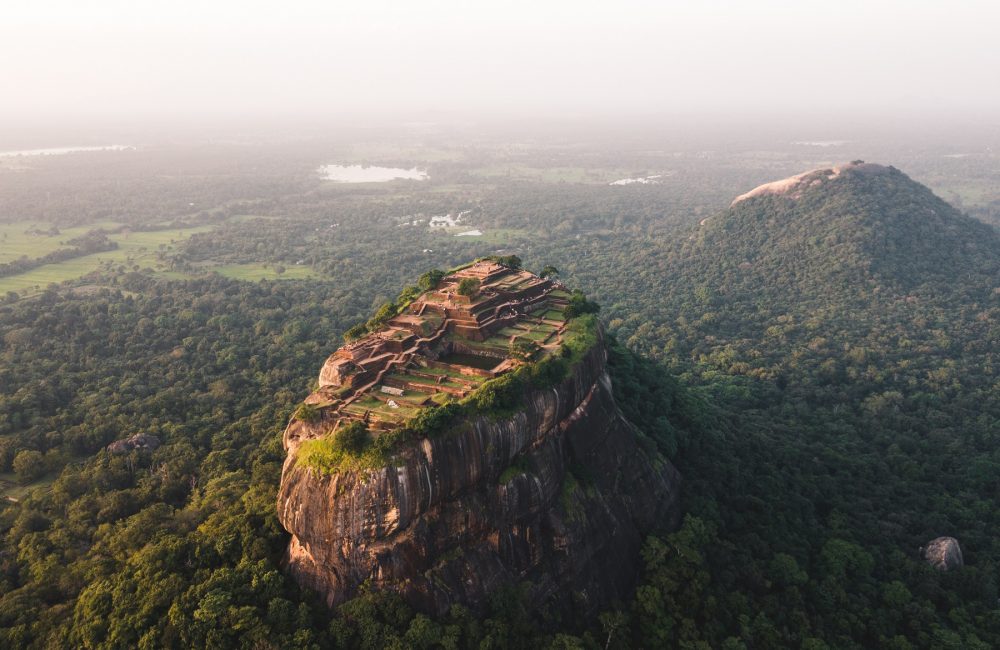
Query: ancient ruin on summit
x=443, y=346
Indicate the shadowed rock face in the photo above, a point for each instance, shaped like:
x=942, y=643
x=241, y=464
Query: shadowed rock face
x=439, y=527
x=944, y=554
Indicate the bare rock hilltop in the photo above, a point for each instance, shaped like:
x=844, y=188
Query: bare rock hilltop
x=793, y=186
x=469, y=439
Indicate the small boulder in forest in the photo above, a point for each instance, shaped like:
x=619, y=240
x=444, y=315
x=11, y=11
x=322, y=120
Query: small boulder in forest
x=143, y=441
x=944, y=554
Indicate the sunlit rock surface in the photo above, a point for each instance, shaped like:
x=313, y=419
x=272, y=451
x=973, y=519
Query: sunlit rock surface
x=793, y=186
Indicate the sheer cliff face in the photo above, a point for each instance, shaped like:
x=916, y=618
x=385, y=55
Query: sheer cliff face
x=559, y=497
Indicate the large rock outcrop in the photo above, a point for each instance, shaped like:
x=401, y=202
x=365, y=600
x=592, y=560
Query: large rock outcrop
x=558, y=497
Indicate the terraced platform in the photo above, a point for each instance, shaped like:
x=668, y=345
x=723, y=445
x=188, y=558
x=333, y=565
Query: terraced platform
x=442, y=347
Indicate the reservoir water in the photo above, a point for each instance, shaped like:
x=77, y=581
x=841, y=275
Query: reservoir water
x=59, y=151
x=361, y=174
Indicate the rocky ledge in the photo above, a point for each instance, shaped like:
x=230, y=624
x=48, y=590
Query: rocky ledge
x=557, y=497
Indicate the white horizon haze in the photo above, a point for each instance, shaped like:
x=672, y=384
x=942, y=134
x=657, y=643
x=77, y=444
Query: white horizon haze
x=112, y=59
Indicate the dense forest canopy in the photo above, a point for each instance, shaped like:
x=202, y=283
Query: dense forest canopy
x=821, y=370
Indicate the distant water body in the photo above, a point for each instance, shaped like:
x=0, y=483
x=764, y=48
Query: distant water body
x=821, y=143
x=59, y=151
x=359, y=174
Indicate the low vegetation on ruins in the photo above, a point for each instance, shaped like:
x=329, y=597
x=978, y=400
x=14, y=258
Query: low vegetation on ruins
x=467, y=342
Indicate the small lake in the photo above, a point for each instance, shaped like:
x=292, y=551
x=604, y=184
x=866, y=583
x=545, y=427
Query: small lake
x=361, y=174
x=821, y=143
x=645, y=180
x=59, y=151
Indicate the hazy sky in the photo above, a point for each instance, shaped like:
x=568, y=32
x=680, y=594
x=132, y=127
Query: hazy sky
x=413, y=59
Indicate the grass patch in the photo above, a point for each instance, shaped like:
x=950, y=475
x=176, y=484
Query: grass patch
x=308, y=413
x=579, y=337
x=518, y=467
x=351, y=447
x=9, y=486
x=568, y=498
x=413, y=379
x=450, y=372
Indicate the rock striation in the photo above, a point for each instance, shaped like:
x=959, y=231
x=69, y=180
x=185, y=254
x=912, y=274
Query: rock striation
x=557, y=497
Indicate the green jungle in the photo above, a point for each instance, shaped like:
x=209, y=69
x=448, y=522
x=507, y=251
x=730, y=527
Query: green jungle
x=822, y=370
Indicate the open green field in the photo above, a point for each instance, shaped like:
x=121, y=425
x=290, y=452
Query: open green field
x=134, y=249
x=970, y=193
x=15, y=242
x=254, y=272
x=10, y=488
